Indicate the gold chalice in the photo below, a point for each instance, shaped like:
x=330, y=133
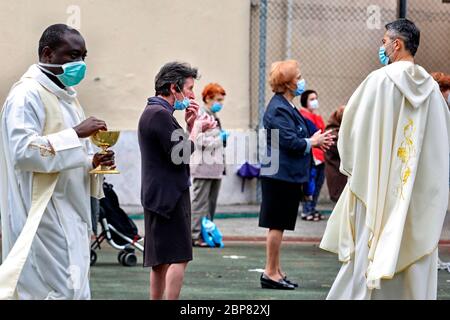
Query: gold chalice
x=104, y=140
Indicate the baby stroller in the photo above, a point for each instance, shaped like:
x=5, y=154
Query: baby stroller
x=443, y=265
x=118, y=230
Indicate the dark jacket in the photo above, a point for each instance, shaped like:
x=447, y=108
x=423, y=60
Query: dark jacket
x=336, y=181
x=294, y=158
x=163, y=181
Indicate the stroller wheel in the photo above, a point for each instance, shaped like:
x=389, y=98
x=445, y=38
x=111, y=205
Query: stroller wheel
x=120, y=256
x=129, y=260
x=93, y=257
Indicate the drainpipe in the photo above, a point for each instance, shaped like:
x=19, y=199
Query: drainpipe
x=288, y=53
x=402, y=8
x=261, y=76
x=262, y=61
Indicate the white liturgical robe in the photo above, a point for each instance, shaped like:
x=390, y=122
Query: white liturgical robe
x=57, y=266
x=394, y=148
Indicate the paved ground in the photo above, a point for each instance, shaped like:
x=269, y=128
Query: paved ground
x=232, y=273
x=241, y=223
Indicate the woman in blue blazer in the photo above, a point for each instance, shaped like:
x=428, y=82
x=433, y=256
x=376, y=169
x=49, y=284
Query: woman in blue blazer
x=289, y=143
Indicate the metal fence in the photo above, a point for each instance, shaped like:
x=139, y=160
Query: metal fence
x=336, y=43
x=433, y=19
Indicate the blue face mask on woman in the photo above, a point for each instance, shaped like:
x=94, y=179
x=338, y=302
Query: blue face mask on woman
x=73, y=72
x=216, y=107
x=301, y=86
x=181, y=104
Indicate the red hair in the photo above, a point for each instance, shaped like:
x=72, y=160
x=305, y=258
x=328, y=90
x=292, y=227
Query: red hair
x=443, y=80
x=211, y=90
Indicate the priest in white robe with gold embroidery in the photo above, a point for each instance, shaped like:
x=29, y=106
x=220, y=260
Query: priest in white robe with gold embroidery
x=394, y=147
x=45, y=186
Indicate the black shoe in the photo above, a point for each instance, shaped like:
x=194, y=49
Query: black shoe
x=290, y=282
x=267, y=283
x=318, y=216
x=199, y=243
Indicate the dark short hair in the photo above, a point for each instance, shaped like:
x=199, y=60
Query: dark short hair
x=53, y=36
x=176, y=73
x=407, y=31
x=304, y=97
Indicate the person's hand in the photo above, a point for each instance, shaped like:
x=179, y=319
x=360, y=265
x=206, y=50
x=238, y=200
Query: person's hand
x=206, y=122
x=322, y=140
x=202, y=124
x=191, y=114
x=107, y=159
x=89, y=127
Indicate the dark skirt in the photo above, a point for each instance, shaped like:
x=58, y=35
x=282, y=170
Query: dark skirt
x=279, y=206
x=169, y=240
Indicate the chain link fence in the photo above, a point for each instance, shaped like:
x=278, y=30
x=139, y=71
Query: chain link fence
x=433, y=19
x=336, y=43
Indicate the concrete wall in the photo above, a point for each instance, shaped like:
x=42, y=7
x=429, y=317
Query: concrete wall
x=128, y=41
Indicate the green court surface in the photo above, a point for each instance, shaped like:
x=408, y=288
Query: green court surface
x=232, y=273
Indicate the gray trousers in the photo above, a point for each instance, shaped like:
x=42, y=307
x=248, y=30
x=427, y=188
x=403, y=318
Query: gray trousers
x=204, y=201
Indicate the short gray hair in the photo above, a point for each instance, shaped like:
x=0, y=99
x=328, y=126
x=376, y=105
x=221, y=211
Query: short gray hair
x=176, y=73
x=407, y=31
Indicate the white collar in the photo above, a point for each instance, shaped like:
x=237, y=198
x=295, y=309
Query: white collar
x=68, y=94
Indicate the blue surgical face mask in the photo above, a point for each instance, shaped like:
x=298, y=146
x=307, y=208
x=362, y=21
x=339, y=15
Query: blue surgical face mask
x=216, y=107
x=314, y=104
x=301, y=86
x=73, y=72
x=384, y=58
x=181, y=104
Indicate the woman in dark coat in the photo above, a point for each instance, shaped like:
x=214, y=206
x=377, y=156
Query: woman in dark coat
x=289, y=144
x=165, y=151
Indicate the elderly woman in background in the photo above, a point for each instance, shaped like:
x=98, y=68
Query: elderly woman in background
x=444, y=85
x=336, y=181
x=208, y=161
x=282, y=190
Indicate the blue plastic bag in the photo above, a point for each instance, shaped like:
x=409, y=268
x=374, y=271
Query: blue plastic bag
x=211, y=234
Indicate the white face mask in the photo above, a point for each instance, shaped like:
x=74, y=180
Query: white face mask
x=314, y=104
